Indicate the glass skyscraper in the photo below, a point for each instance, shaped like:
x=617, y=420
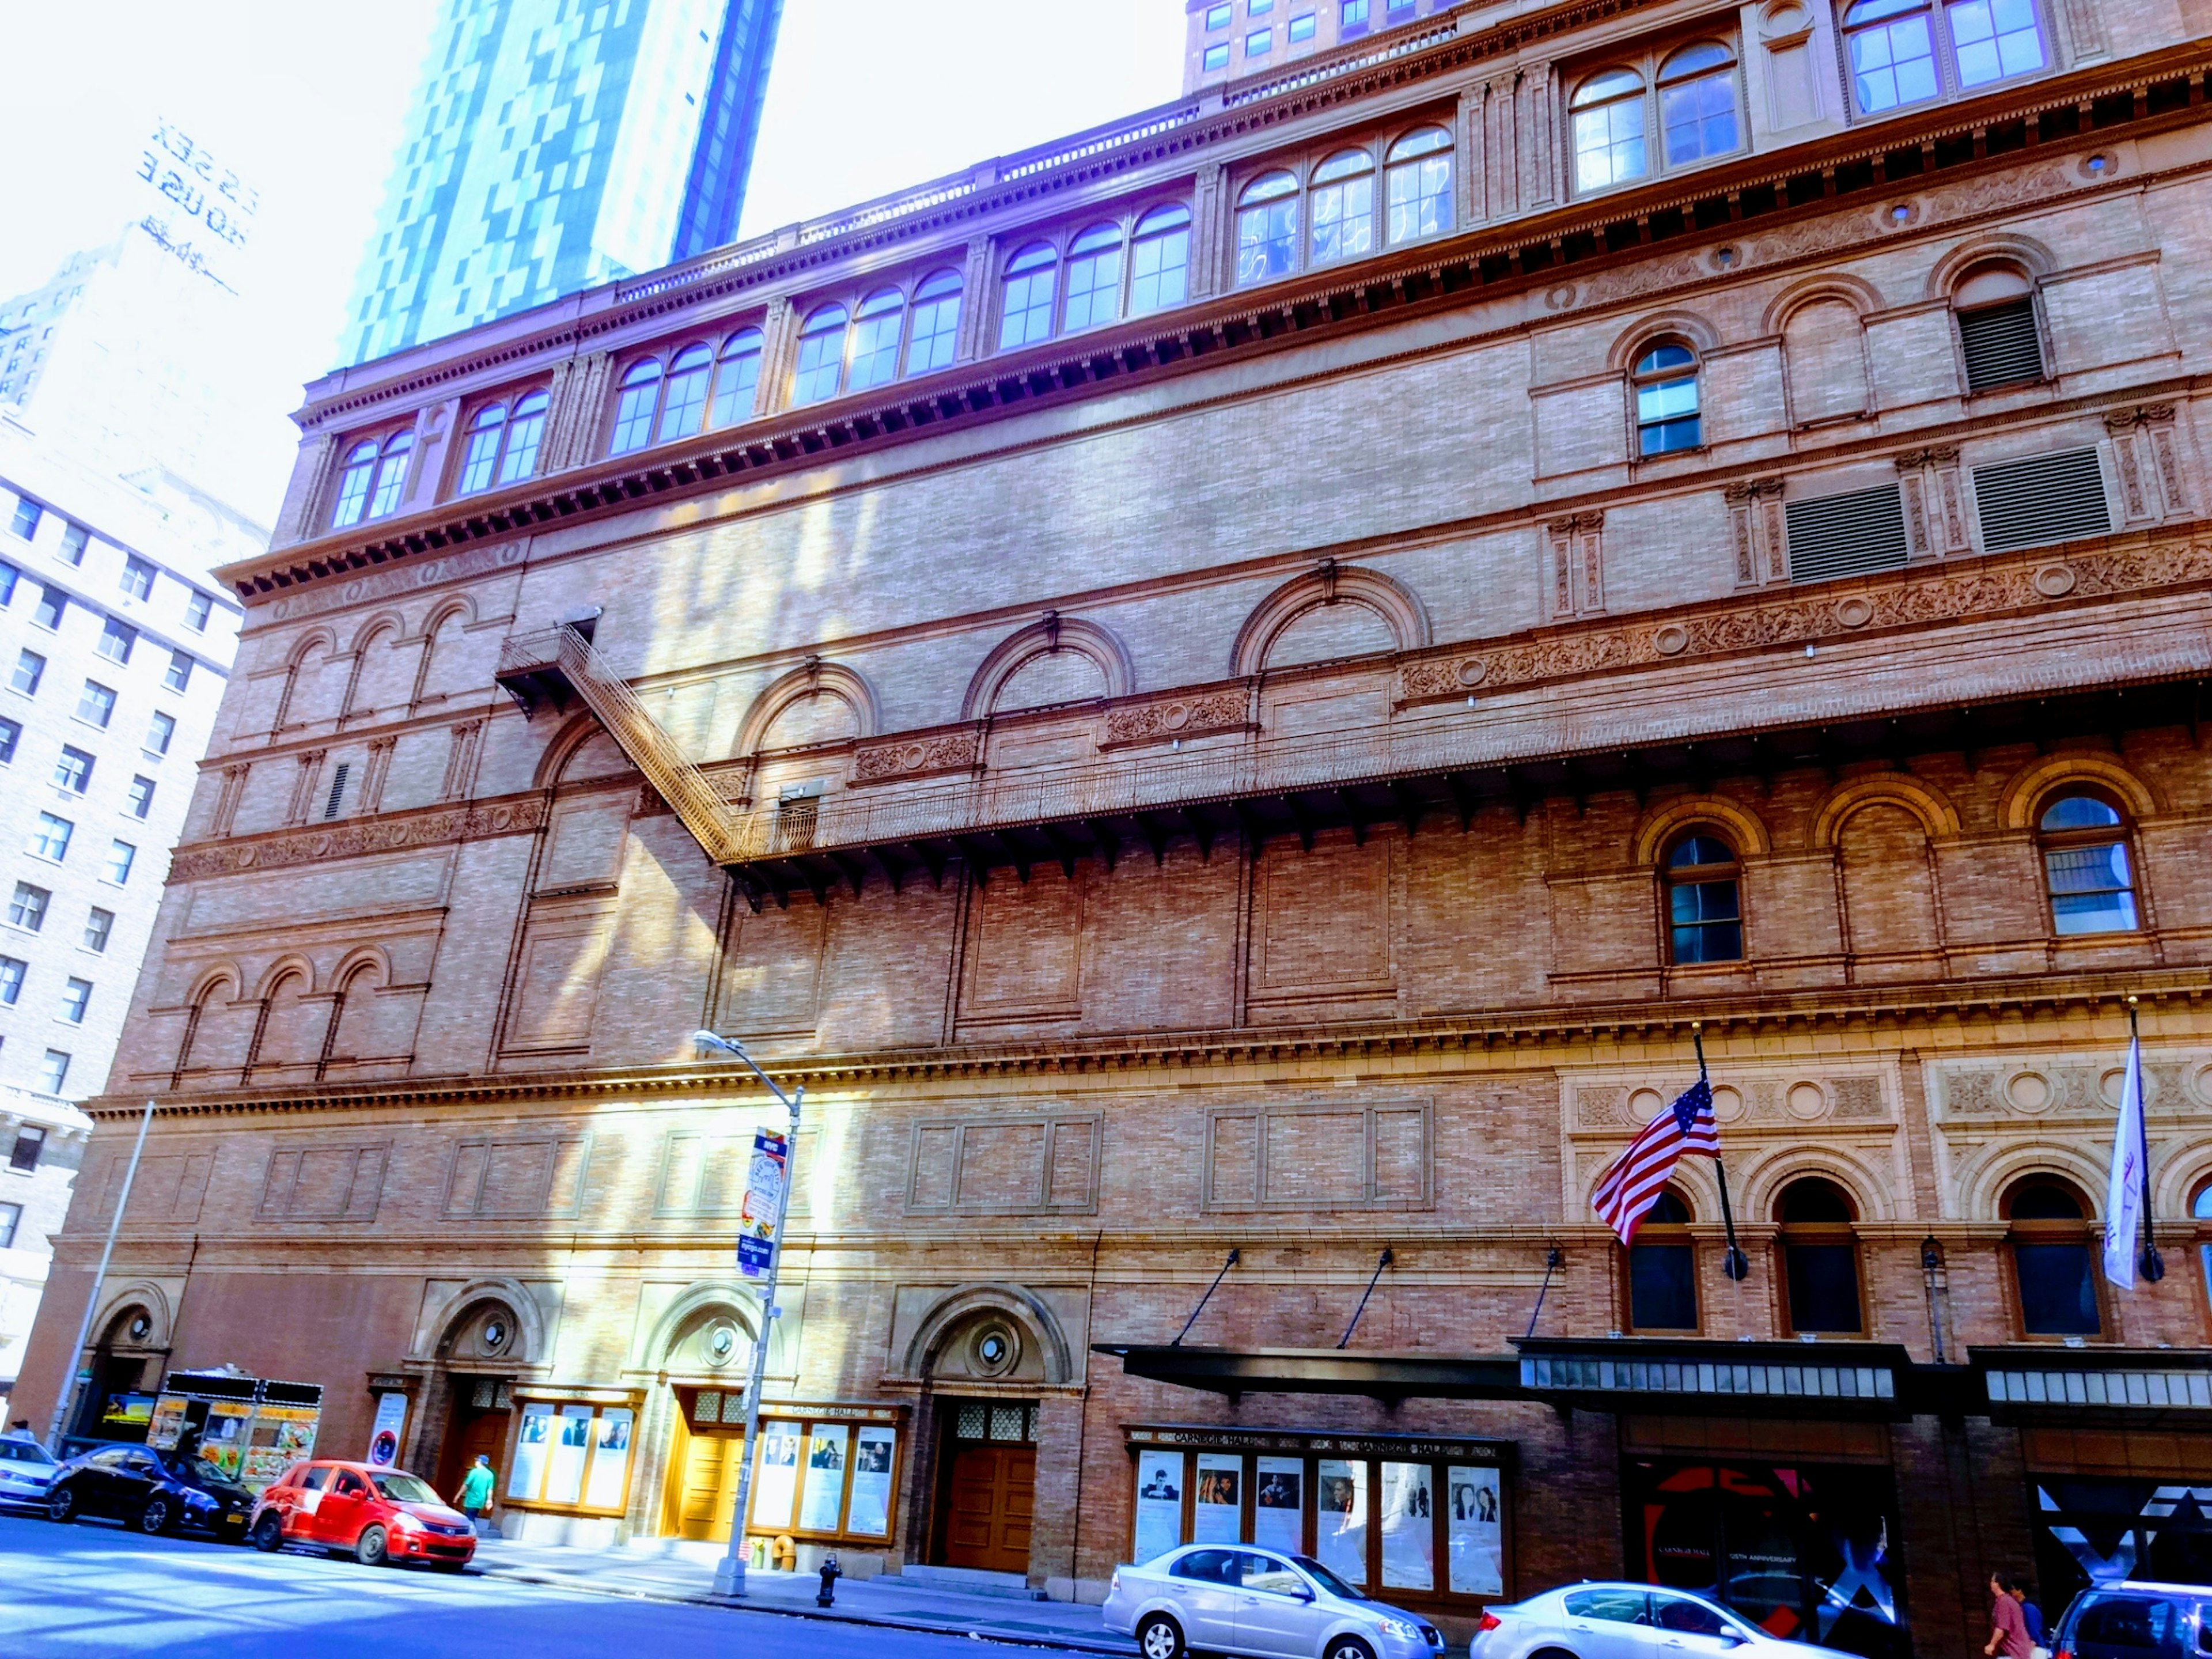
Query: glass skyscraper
x=552, y=144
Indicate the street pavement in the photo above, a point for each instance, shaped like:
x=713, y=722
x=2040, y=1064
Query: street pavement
x=90, y=1591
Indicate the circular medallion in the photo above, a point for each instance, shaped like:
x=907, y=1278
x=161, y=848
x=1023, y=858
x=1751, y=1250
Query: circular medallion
x=2028, y=1091
x=1856, y=612
x=1671, y=640
x=1175, y=717
x=1806, y=1101
x=721, y=1342
x=2055, y=580
x=1559, y=295
x=911, y=757
x=141, y=1327
x=1727, y=1104
x=1472, y=671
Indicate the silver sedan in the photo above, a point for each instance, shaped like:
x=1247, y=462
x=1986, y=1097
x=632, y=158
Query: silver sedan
x=1626, y=1621
x=1215, y=1599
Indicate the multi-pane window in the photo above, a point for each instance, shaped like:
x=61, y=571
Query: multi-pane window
x=503, y=442
x=161, y=731
x=370, y=481
x=1613, y=113
x=52, y=606
x=737, y=377
x=197, y=609
x=76, y=997
x=933, y=324
x=820, y=373
x=116, y=638
x=1705, y=921
x=26, y=521
x=1217, y=57
x=699, y=385
x=11, y=733
x=30, y=668
x=30, y=1146
x=2085, y=866
x=1416, y=186
x=1697, y=104
x=877, y=326
x=1159, y=260
x=1608, y=129
x=73, y=771
x=138, y=578
x=635, y=405
x=51, y=838
x=121, y=854
x=1111, y=271
x=1662, y=1269
x=1268, y=228
x=1025, y=305
x=1094, y=279
x=2053, y=1279
x=178, y=674
x=1897, y=47
x=1340, y=212
x=12, y=970
x=1351, y=13
x=1341, y=202
x=684, y=393
x=1820, y=1259
x=99, y=925
x=95, y=704
x=53, y=1070
x=140, y=797
x=1665, y=381
x=74, y=539
x=27, y=908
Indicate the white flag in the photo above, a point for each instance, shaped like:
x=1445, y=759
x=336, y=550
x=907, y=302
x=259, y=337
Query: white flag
x=2124, y=1200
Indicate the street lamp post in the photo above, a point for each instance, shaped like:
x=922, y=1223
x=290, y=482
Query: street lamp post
x=729, y=1573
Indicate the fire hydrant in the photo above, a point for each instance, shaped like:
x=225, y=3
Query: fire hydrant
x=832, y=1572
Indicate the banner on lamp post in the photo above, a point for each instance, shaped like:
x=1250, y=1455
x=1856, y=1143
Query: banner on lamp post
x=756, y=1239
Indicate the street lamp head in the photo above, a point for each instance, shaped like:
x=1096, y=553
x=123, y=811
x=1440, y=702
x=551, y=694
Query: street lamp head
x=717, y=1044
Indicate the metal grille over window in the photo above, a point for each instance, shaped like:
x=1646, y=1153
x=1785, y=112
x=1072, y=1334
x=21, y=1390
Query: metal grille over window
x=709, y=1408
x=2002, y=345
x=2043, y=499
x=1010, y=1423
x=734, y=1409
x=1847, y=535
x=974, y=1423
x=491, y=1394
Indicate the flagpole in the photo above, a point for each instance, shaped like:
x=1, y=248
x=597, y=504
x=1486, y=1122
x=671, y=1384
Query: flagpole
x=2151, y=1265
x=1734, y=1263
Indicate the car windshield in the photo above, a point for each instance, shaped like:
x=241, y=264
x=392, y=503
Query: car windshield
x=24, y=1451
x=190, y=1470
x=404, y=1489
x=1327, y=1580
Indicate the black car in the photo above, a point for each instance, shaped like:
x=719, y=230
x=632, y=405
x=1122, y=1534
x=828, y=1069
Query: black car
x=154, y=1491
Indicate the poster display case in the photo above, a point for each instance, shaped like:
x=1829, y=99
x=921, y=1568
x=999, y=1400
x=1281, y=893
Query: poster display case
x=1412, y=1518
x=828, y=1473
x=573, y=1450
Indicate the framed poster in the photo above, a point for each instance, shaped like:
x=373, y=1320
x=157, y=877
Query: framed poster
x=1340, y=1520
x=1409, y=1528
x=384, y=1434
x=532, y=1441
x=564, y=1476
x=1278, y=1513
x=873, y=1458
x=775, y=1484
x=1159, y=1502
x=1474, y=1537
x=608, y=1480
x=823, y=1497
x=1217, y=1516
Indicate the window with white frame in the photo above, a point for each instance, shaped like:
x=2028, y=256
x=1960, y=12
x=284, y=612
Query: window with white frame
x=1687, y=94
x=1337, y=213
x=1102, y=272
x=659, y=399
x=1907, y=52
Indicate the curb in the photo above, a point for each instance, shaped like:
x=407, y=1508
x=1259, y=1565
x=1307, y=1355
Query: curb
x=819, y=1615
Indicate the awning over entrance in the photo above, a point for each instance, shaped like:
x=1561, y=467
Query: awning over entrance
x=1391, y=1377
x=2144, y=1388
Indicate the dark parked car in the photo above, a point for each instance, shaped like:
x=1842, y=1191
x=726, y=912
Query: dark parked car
x=154, y=1491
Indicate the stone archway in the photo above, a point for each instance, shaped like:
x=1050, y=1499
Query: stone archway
x=487, y=1332
x=701, y=1349
x=128, y=1354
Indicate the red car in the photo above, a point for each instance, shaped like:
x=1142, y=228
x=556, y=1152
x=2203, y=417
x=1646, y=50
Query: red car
x=379, y=1516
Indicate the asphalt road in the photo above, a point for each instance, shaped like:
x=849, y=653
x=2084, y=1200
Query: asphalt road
x=91, y=1590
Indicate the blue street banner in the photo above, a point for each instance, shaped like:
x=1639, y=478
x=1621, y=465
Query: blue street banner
x=763, y=1197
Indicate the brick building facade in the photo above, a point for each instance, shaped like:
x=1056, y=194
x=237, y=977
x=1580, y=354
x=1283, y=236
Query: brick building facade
x=1233, y=696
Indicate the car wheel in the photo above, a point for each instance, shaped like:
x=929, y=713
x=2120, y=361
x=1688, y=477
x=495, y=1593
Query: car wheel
x=1347, y=1647
x=268, y=1533
x=372, y=1549
x=61, y=1504
x=157, y=1514
x=1552, y=1653
x=1160, y=1638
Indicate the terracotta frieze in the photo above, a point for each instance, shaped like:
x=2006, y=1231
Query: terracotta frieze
x=916, y=757
x=361, y=837
x=1163, y=720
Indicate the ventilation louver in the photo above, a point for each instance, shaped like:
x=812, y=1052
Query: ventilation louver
x=2041, y=500
x=2002, y=345
x=1848, y=535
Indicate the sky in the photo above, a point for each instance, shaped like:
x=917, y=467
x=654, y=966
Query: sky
x=304, y=100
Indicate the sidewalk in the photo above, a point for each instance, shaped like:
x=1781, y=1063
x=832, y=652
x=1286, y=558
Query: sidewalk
x=661, y=1571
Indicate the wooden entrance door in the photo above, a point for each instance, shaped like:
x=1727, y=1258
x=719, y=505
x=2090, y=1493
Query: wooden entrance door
x=992, y=1497
x=472, y=1431
x=703, y=1485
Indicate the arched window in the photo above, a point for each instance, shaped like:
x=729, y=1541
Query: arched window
x=1416, y=186
x=1666, y=382
x=1267, y=229
x=633, y=406
x=1662, y=1269
x=369, y=484
x=1159, y=262
x=480, y=459
x=737, y=377
x=2085, y=864
x=525, y=433
x=1705, y=922
x=2053, y=1276
x=876, y=333
x=1025, y=316
x=1341, y=202
x=2200, y=1210
x=502, y=443
x=1608, y=129
x=683, y=395
x=1892, y=49
x=1993, y=40
x=1819, y=1258
x=821, y=357
x=935, y=329
x=1094, y=278
x=1994, y=307
x=1697, y=103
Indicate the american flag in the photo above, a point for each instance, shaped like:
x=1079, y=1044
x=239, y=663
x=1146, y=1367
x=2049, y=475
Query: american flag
x=1636, y=1178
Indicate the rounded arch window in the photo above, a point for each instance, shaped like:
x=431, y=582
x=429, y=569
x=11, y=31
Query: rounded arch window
x=1892, y=44
x=369, y=482
x=1705, y=918
x=1267, y=229
x=683, y=398
x=634, y=402
x=1608, y=129
x=1341, y=202
x=2054, y=1277
x=1094, y=278
x=503, y=442
x=2087, y=870
x=1416, y=186
x=1993, y=308
x=736, y=376
x=821, y=370
x=1819, y=1258
x=1697, y=103
x=876, y=328
x=1662, y=1268
x=933, y=330
x=1667, y=417
x=1159, y=260
x=1026, y=312
x=2200, y=1211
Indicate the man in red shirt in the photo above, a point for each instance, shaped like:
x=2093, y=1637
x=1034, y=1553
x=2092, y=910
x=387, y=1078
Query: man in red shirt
x=2009, y=1632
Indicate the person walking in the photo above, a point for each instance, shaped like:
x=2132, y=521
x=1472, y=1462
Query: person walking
x=2008, y=1625
x=2031, y=1615
x=475, y=1495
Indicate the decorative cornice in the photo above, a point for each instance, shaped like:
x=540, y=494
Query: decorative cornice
x=396, y=832
x=1177, y=715
x=917, y=756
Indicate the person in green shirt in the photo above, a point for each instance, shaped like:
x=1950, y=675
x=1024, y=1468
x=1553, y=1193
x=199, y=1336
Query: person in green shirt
x=475, y=1495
